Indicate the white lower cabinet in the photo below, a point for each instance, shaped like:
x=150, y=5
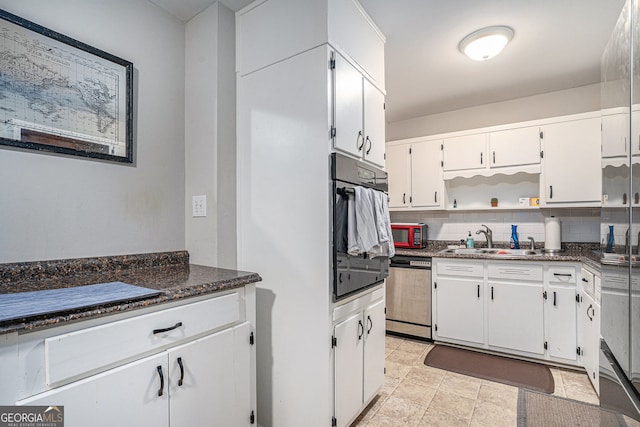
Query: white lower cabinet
x=521, y=308
x=359, y=343
x=209, y=383
x=590, y=316
x=515, y=312
x=131, y=395
x=205, y=379
x=459, y=309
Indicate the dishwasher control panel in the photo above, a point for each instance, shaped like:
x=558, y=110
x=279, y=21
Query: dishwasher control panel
x=423, y=264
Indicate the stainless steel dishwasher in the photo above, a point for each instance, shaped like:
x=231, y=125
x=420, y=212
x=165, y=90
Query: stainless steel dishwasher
x=409, y=297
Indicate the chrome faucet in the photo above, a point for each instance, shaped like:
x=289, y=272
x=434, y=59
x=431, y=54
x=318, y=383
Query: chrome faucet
x=487, y=235
x=533, y=243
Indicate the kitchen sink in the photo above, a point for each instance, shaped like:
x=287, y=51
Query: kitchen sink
x=620, y=257
x=497, y=252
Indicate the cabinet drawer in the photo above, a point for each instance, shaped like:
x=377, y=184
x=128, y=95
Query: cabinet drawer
x=588, y=282
x=460, y=268
x=516, y=271
x=80, y=352
x=559, y=274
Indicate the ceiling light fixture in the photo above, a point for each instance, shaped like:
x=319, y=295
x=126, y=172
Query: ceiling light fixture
x=486, y=43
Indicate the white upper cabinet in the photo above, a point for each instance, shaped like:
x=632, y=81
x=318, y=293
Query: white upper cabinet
x=465, y=152
x=514, y=147
x=415, y=175
x=354, y=33
x=571, y=173
x=427, y=186
x=358, y=114
x=308, y=24
x=615, y=135
x=374, y=124
x=399, y=170
x=484, y=152
x=348, y=109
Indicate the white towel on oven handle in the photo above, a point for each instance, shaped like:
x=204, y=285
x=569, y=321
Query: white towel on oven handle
x=369, y=226
x=366, y=230
x=383, y=224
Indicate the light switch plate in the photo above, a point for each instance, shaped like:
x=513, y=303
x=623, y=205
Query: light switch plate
x=199, y=206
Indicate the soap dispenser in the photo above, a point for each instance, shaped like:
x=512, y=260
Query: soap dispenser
x=470, y=242
x=515, y=244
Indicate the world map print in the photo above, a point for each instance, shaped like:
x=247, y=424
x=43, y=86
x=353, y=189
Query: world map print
x=47, y=87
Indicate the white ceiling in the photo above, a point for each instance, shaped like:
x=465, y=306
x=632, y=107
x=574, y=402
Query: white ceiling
x=557, y=45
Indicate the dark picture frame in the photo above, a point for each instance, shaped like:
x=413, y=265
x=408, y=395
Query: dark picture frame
x=60, y=95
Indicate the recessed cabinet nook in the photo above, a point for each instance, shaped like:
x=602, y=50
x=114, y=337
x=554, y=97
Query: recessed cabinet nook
x=465, y=170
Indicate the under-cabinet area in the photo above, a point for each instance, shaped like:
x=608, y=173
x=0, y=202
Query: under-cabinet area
x=523, y=308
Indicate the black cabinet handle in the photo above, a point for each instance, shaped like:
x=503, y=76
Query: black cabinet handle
x=161, y=389
x=480, y=158
x=590, y=308
x=494, y=157
x=585, y=280
x=551, y=191
x=404, y=198
x=554, y=298
x=370, y=324
x=360, y=328
x=170, y=328
x=435, y=197
x=563, y=274
x=181, y=371
x=370, y=144
x=360, y=136
x=340, y=278
x=478, y=291
x=492, y=292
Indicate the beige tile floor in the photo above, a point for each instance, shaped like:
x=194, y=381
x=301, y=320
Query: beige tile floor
x=417, y=395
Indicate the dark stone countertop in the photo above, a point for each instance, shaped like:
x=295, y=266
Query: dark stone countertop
x=579, y=252
x=168, y=272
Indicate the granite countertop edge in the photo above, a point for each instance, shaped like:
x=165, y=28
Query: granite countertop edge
x=173, y=281
x=587, y=257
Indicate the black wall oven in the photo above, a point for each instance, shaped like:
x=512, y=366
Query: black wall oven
x=352, y=274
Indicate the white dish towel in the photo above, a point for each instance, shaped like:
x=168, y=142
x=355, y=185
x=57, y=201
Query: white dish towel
x=369, y=226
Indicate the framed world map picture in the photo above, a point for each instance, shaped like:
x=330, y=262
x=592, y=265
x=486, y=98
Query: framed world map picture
x=60, y=95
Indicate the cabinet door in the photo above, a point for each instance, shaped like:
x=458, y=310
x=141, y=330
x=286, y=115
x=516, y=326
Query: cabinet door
x=374, y=124
x=465, y=152
x=348, y=108
x=348, y=368
x=561, y=317
x=374, y=349
x=459, y=309
x=515, y=147
x=515, y=315
x=215, y=386
x=615, y=133
x=572, y=170
x=427, y=189
x=124, y=396
x=590, y=318
x=399, y=170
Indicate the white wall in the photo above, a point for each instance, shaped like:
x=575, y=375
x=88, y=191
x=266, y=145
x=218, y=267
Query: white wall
x=210, y=136
x=570, y=101
x=54, y=207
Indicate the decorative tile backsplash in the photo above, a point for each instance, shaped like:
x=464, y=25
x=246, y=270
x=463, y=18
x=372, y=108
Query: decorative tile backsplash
x=577, y=225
